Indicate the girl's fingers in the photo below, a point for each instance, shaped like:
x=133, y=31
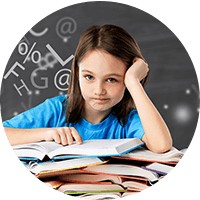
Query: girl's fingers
x=56, y=137
x=63, y=136
x=69, y=137
x=75, y=135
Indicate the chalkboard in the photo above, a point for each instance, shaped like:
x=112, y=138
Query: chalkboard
x=39, y=66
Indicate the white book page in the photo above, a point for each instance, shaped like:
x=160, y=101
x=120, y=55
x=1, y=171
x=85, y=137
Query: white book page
x=44, y=147
x=160, y=167
x=93, y=147
x=66, y=164
x=143, y=152
x=126, y=170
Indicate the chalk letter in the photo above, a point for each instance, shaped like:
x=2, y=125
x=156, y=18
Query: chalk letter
x=45, y=79
x=19, y=88
x=11, y=70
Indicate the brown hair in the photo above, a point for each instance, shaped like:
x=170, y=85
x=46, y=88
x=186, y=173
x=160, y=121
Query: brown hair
x=115, y=41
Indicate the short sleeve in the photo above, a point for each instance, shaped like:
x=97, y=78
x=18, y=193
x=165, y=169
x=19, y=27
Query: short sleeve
x=47, y=114
x=134, y=128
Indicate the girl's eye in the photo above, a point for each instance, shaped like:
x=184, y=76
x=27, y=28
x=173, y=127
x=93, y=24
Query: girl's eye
x=88, y=77
x=111, y=80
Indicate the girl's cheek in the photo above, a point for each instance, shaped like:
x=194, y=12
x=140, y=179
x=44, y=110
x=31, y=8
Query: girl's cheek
x=118, y=91
x=85, y=87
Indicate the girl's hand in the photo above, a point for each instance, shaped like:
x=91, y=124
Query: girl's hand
x=138, y=70
x=63, y=135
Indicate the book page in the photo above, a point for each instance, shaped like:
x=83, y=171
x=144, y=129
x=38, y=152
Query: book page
x=119, y=169
x=98, y=147
x=44, y=147
x=50, y=146
x=160, y=167
x=64, y=165
x=145, y=153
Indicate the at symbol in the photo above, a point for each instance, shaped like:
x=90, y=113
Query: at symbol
x=65, y=27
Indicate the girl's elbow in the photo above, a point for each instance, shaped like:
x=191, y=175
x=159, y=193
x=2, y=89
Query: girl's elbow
x=163, y=147
x=165, y=144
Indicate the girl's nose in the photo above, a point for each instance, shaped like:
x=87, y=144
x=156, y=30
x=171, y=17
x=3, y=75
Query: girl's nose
x=99, y=89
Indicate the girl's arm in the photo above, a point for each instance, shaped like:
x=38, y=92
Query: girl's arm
x=157, y=136
x=62, y=135
x=22, y=136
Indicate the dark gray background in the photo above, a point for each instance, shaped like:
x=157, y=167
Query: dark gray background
x=172, y=86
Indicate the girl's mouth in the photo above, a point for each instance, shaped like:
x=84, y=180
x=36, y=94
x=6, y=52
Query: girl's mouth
x=101, y=99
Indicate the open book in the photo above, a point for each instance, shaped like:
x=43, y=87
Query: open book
x=89, y=178
x=73, y=188
x=158, y=168
x=95, y=148
x=48, y=169
x=105, y=195
x=123, y=170
x=143, y=154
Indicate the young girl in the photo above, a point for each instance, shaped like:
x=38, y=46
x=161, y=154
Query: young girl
x=105, y=100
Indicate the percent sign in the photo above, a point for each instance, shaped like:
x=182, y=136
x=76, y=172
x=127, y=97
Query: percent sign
x=23, y=49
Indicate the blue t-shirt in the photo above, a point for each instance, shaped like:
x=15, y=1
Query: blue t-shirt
x=51, y=113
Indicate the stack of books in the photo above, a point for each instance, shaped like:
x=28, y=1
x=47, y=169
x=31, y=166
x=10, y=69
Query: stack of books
x=97, y=169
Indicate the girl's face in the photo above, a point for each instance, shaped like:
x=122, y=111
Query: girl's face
x=101, y=78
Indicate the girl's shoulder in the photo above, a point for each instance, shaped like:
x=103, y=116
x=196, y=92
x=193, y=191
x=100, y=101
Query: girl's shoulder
x=55, y=104
x=132, y=113
x=133, y=125
x=60, y=98
x=48, y=113
x=132, y=117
